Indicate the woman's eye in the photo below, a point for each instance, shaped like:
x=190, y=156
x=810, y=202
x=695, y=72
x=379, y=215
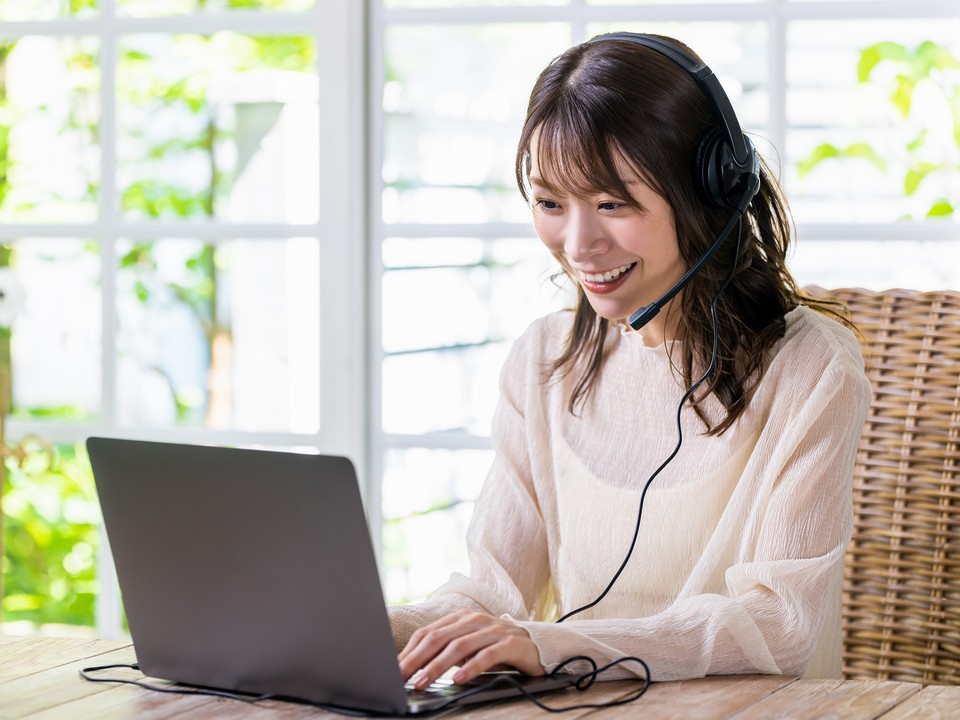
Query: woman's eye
x=547, y=204
x=612, y=205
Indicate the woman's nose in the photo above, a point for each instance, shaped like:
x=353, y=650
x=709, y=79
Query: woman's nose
x=584, y=238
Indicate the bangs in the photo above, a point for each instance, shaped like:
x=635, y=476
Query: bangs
x=576, y=158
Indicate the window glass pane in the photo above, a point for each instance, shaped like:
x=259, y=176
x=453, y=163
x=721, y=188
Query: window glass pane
x=49, y=111
x=444, y=291
x=445, y=390
x=427, y=496
x=223, y=127
x=658, y=2
x=56, y=334
x=156, y=8
x=223, y=336
x=18, y=10
x=878, y=265
x=874, y=120
x=467, y=3
x=51, y=519
x=451, y=127
x=737, y=54
x=450, y=308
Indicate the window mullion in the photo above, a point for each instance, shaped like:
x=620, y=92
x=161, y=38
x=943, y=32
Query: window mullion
x=376, y=444
x=777, y=82
x=109, y=610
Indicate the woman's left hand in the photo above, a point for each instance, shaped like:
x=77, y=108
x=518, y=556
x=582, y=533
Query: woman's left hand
x=475, y=641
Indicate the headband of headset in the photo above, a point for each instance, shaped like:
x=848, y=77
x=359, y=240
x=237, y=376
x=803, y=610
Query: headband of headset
x=727, y=165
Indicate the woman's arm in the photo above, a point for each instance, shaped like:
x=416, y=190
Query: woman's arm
x=507, y=541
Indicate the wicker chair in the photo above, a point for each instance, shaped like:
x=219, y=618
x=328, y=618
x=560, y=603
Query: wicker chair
x=901, y=595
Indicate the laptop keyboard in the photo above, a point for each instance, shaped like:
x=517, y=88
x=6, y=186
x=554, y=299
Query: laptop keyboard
x=439, y=688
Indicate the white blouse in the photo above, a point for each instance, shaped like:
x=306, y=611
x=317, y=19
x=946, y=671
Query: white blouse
x=739, y=559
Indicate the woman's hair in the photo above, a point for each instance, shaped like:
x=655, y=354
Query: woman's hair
x=603, y=100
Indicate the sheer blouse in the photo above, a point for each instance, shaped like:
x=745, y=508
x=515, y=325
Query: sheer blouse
x=738, y=563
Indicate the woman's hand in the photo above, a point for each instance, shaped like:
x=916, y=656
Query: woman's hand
x=474, y=641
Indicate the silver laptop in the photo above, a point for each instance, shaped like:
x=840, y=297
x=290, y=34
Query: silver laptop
x=253, y=571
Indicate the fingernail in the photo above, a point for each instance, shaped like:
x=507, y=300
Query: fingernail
x=459, y=676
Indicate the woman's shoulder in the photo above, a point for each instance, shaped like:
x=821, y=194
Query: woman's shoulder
x=817, y=358
x=810, y=329
x=545, y=335
x=815, y=344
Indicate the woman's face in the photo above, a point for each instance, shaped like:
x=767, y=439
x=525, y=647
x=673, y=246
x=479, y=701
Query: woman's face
x=624, y=257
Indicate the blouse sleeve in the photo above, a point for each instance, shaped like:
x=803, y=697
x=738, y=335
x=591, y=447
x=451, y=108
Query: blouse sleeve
x=772, y=610
x=507, y=540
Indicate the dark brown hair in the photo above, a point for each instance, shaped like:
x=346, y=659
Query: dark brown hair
x=598, y=101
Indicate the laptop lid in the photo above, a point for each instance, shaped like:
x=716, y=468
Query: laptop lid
x=248, y=570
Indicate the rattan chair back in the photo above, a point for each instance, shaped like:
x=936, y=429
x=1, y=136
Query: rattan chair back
x=901, y=593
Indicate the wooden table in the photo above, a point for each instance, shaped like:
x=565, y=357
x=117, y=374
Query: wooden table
x=39, y=680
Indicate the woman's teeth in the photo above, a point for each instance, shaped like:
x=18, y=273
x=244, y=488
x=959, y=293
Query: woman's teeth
x=607, y=276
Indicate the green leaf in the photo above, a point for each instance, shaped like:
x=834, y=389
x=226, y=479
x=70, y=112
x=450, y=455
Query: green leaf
x=915, y=176
x=54, y=412
x=872, y=56
x=22, y=601
x=821, y=152
x=941, y=208
x=139, y=254
x=79, y=6
x=902, y=96
x=918, y=141
x=137, y=55
x=826, y=151
x=930, y=55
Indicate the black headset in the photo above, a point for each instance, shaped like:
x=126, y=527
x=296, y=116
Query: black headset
x=726, y=165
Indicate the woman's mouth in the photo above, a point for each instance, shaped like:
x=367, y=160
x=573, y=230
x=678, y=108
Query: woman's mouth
x=605, y=282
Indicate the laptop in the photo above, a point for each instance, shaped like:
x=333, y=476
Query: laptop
x=253, y=571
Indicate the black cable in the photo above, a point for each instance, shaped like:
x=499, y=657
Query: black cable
x=686, y=396
x=179, y=690
x=582, y=683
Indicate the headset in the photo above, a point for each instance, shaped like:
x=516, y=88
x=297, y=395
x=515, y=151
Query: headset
x=726, y=166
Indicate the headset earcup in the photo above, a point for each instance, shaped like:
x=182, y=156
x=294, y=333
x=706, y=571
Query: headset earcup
x=712, y=154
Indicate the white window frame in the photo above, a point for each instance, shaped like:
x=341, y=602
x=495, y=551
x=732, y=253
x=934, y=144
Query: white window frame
x=338, y=28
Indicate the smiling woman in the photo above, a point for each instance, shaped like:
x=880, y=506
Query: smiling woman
x=443, y=132
x=736, y=564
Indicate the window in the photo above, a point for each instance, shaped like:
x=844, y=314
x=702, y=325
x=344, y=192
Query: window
x=220, y=237
x=856, y=104
x=180, y=207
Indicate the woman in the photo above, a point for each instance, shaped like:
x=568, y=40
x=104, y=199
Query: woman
x=739, y=548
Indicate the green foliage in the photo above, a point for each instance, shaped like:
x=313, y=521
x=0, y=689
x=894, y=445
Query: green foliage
x=5, y=123
x=157, y=200
x=52, y=412
x=911, y=67
x=826, y=151
x=80, y=7
x=51, y=542
x=941, y=208
x=899, y=71
x=4, y=159
x=293, y=53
